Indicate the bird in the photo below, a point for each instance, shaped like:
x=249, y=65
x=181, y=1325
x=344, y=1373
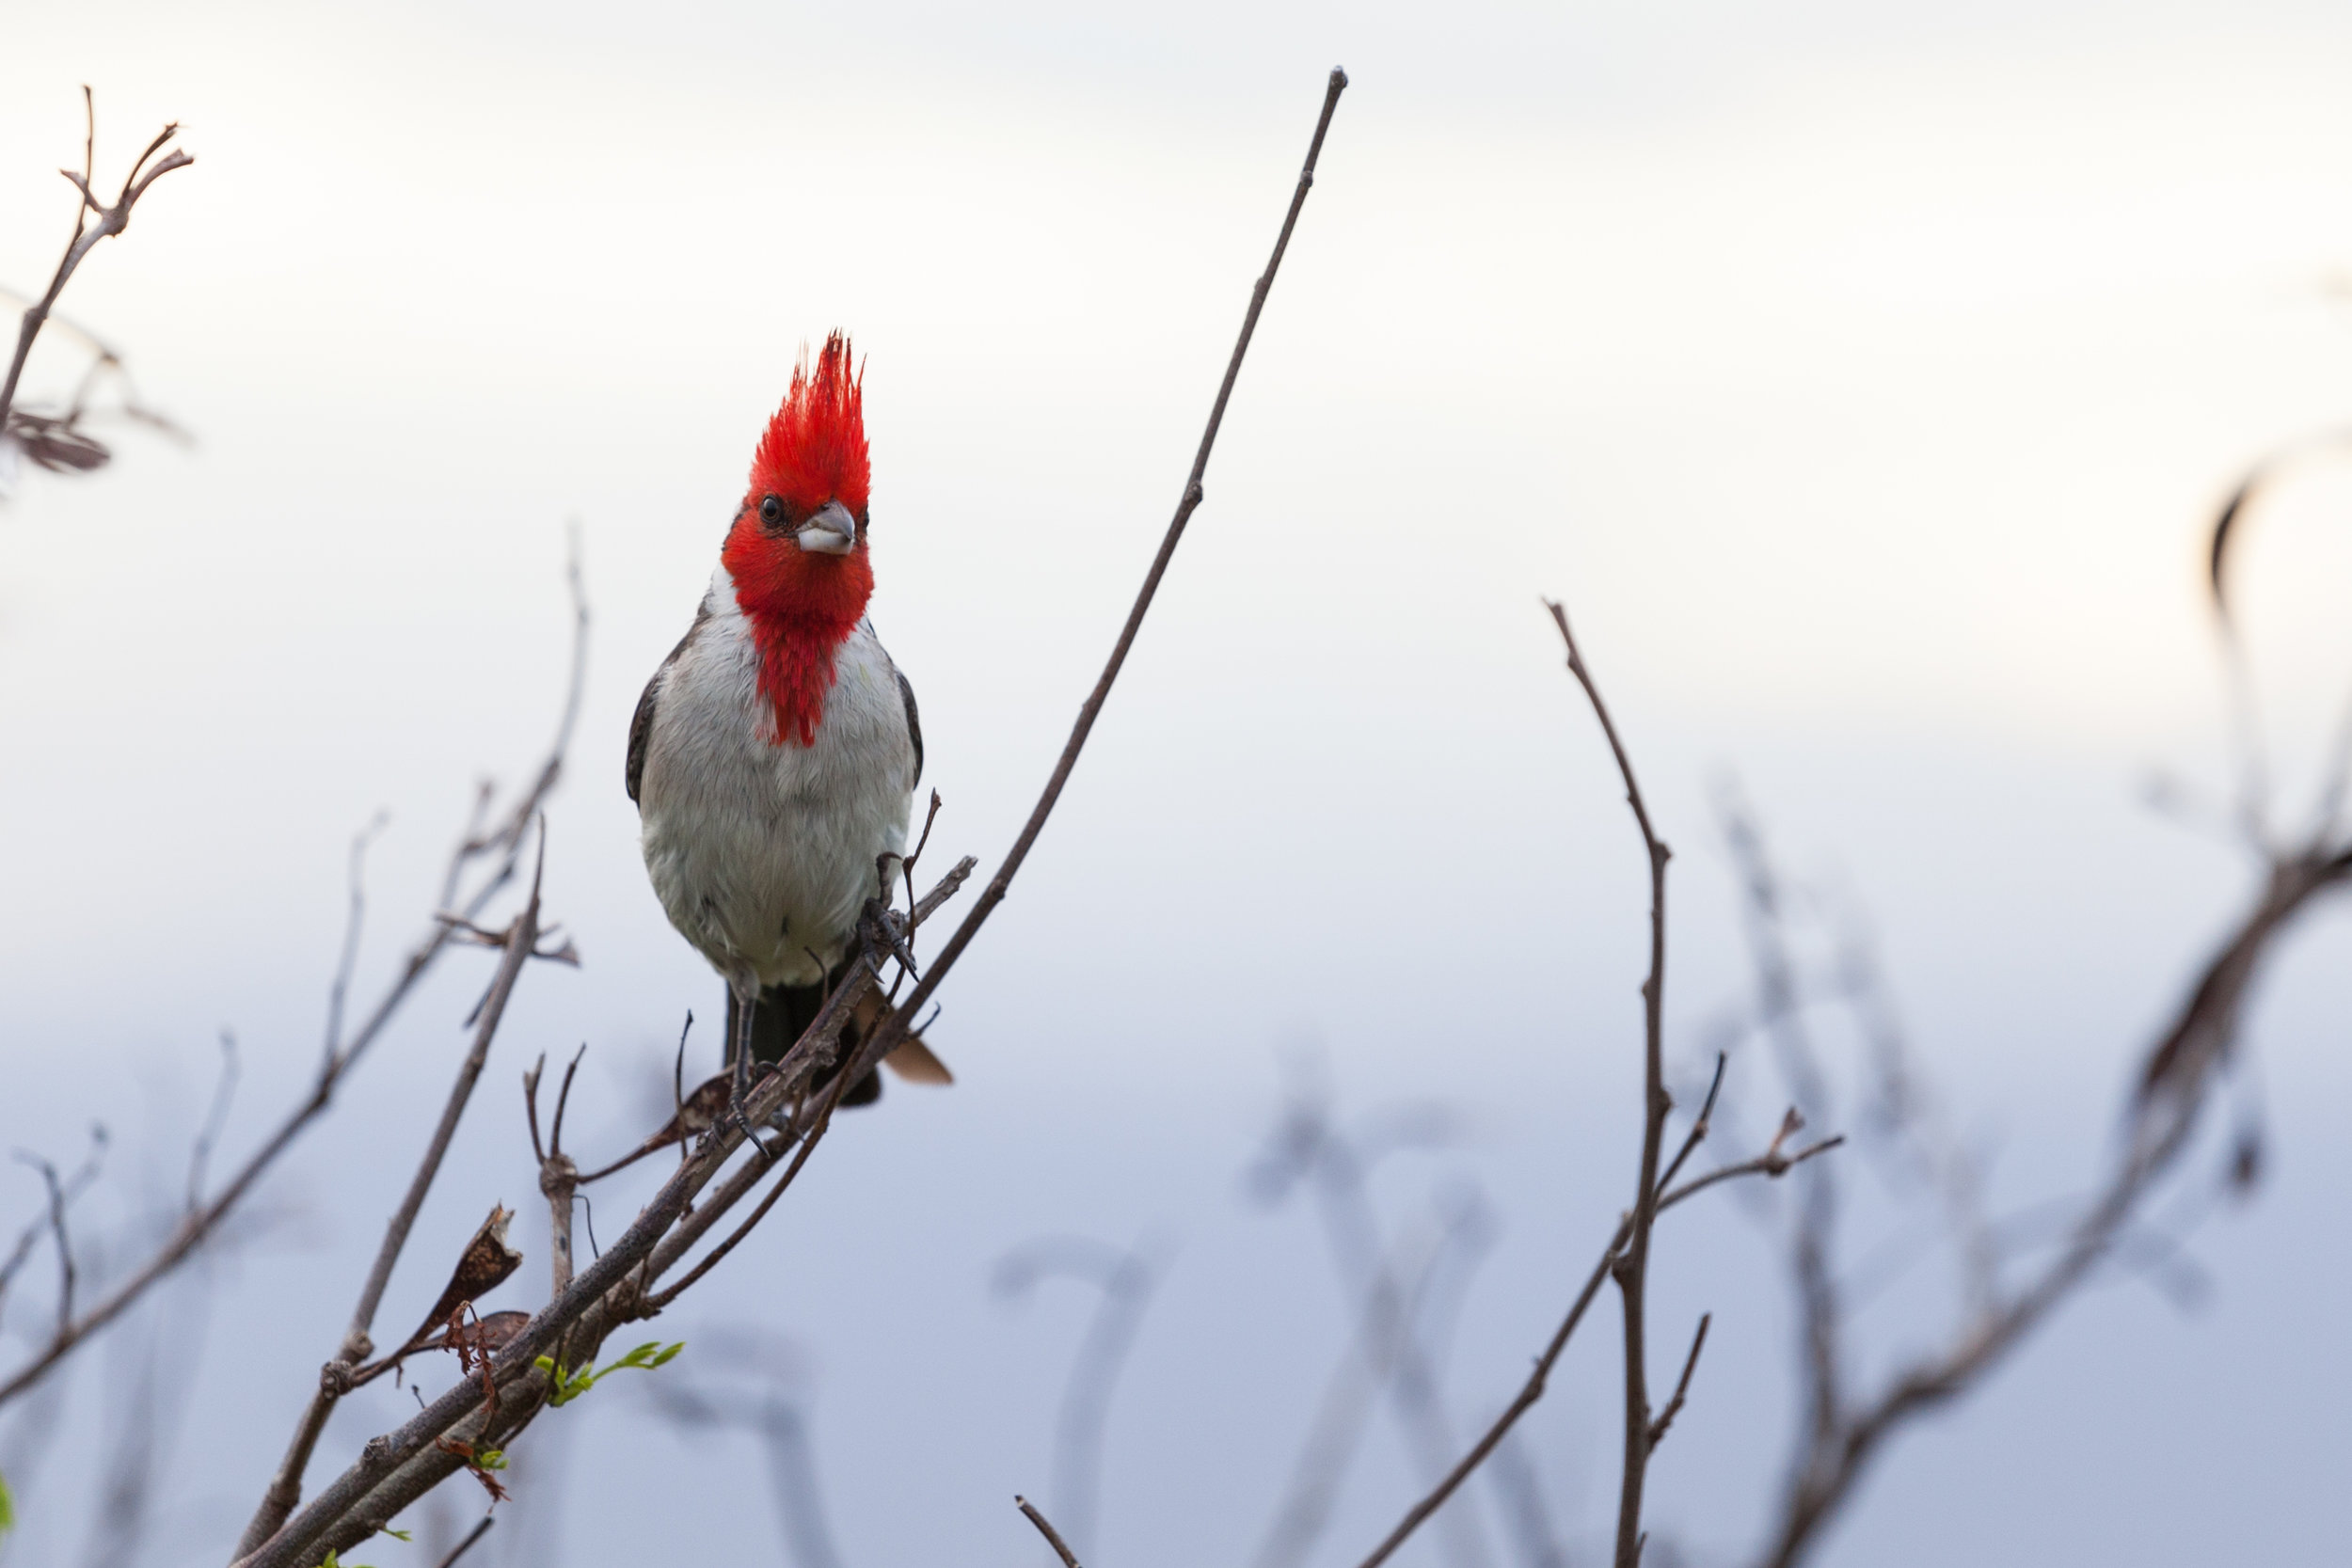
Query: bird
x=774, y=754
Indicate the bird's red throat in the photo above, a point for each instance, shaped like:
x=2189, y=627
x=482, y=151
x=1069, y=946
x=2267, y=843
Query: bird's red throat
x=802, y=607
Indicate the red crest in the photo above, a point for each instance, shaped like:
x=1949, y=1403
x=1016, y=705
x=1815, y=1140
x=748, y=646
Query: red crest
x=814, y=447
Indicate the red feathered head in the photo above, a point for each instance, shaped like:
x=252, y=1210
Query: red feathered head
x=814, y=448
x=797, y=548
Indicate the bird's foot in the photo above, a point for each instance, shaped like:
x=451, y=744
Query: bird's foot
x=883, y=929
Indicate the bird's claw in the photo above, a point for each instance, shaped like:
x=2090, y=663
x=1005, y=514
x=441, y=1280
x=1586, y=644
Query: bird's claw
x=883, y=929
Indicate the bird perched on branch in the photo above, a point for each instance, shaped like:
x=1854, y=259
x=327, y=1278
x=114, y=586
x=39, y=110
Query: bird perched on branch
x=773, y=756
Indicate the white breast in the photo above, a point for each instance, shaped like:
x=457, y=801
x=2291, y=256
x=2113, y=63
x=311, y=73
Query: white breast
x=763, y=854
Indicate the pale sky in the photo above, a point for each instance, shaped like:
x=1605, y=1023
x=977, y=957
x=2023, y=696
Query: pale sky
x=1864, y=378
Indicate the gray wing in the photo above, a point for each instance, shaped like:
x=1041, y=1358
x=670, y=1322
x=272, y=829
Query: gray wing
x=641, y=729
x=914, y=723
x=640, y=722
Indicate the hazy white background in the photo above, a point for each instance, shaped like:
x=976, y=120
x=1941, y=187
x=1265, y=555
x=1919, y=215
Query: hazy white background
x=1863, y=376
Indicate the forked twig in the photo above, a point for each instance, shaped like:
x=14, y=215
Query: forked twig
x=111, y=221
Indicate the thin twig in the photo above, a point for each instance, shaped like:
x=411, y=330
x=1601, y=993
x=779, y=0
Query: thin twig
x=894, y=1030
x=471, y=1536
x=1045, y=1528
x=563, y=1099
x=57, y=1231
x=1682, y=1385
x=1763, y=1164
x=1699, y=1128
x=1530, y=1391
x=530, y=1106
x=74, y=1185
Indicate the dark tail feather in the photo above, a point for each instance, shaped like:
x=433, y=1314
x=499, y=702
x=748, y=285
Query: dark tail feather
x=783, y=1013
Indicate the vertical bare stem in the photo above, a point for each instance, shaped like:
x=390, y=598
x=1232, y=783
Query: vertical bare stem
x=559, y=1179
x=1631, y=1269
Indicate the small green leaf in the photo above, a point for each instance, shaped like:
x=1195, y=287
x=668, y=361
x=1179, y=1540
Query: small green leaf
x=566, y=1385
x=490, y=1459
x=7, y=1507
x=399, y=1534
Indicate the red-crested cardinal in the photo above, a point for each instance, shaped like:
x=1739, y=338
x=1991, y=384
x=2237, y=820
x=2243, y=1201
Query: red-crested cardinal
x=773, y=756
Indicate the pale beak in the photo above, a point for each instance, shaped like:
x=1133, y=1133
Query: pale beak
x=830, y=530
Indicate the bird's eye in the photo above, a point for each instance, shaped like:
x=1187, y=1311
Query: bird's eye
x=771, y=511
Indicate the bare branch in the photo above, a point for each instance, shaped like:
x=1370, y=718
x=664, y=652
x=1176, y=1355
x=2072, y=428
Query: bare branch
x=1633, y=1270
x=894, y=1031
x=1053, y=1536
x=111, y=220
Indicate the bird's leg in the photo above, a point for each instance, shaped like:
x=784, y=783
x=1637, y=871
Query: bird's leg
x=740, y=1051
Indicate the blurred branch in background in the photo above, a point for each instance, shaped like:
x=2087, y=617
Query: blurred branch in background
x=766, y=1394
x=148, y=1367
x=2011, y=1276
x=1390, y=1287
x=1124, y=1280
x=56, y=441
